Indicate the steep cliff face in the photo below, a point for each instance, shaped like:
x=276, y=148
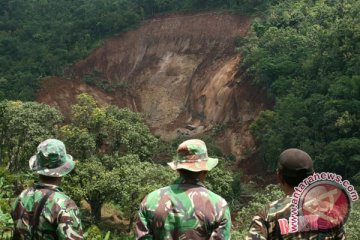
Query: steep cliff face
x=179, y=70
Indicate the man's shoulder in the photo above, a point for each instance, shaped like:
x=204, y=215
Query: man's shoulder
x=279, y=206
x=62, y=200
x=168, y=191
x=158, y=192
x=275, y=210
x=152, y=199
x=216, y=198
x=56, y=197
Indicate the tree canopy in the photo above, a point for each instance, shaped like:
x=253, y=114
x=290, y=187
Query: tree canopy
x=43, y=38
x=307, y=55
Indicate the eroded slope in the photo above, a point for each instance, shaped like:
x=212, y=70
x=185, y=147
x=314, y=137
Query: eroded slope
x=179, y=70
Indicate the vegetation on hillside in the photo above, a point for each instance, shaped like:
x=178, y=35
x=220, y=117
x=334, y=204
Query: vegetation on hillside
x=43, y=38
x=305, y=52
x=114, y=151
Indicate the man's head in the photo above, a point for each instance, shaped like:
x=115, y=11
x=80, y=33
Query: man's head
x=192, y=159
x=294, y=166
x=51, y=159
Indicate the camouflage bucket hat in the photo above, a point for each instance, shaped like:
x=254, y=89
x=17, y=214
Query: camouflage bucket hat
x=192, y=155
x=51, y=159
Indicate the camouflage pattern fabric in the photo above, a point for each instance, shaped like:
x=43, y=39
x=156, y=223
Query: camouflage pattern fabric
x=59, y=218
x=265, y=225
x=51, y=159
x=192, y=155
x=183, y=210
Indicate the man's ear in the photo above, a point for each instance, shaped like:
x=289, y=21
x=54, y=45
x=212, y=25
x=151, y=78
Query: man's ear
x=280, y=176
x=203, y=175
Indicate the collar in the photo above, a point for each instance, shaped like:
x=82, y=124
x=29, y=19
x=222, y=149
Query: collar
x=181, y=180
x=40, y=185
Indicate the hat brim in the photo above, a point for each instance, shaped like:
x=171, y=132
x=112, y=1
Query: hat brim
x=60, y=171
x=203, y=165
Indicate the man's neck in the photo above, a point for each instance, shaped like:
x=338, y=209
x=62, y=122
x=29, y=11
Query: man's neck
x=288, y=190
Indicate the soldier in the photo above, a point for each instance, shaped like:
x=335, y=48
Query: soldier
x=293, y=167
x=185, y=209
x=43, y=211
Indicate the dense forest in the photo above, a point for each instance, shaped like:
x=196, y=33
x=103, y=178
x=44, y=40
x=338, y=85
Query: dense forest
x=306, y=53
x=42, y=38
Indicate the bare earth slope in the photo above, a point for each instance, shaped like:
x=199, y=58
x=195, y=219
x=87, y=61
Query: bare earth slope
x=179, y=70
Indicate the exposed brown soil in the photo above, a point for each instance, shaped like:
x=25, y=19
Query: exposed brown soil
x=61, y=93
x=180, y=71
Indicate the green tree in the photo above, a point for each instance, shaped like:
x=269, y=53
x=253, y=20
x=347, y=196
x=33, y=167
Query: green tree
x=23, y=125
x=305, y=53
x=43, y=38
x=111, y=129
x=109, y=143
x=258, y=200
x=140, y=178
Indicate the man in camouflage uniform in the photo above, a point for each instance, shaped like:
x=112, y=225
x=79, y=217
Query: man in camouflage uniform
x=293, y=167
x=43, y=211
x=185, y=209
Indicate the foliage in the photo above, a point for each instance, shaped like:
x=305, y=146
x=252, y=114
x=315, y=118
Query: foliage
x=139, y=179
x=110, y=142
x=95, y=78
x=352, y=225
x=219, y=180
x=94, y=233
x=112, y=148
x=258, y=201
x=43, y=38
x=6, y=189
x=306, y=54
x=6, y=222
x=122, y=180
x=6, y=225
x=218, y=129
x=106, y=130
x=23, y=125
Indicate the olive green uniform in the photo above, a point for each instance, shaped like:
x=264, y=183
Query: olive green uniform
x=183, y=210
x=59, y=218
x=266, y=226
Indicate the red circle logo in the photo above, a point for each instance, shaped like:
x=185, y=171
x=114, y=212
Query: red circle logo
x=323, y=205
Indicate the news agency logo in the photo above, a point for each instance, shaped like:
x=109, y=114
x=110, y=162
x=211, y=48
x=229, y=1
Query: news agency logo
x=322, y=201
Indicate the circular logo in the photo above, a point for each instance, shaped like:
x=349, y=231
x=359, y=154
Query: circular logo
x=323, y=205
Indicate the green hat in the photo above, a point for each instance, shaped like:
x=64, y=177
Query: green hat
x=192, y=155
x=51, y=159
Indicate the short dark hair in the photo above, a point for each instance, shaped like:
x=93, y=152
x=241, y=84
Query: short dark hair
x=47, y=178
x=293, y=180
x=189, y=174
x=295, y=165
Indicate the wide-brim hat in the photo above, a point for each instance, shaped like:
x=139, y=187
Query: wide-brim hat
x=51, y=159
x=192, y=156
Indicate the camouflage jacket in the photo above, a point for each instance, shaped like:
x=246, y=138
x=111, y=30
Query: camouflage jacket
x=266, y=225
x=183, y=210
x=59, y=218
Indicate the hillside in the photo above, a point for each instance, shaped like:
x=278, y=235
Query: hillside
x=179, y=70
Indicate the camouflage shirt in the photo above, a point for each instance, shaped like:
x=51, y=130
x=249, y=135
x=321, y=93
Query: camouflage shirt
x=59, y=218
x=266, y=225
x=183, y=210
